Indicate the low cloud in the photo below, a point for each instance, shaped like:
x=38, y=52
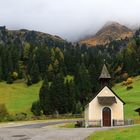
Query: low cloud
x=72, y=19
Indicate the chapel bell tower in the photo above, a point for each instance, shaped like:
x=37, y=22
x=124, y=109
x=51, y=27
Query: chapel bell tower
x=104, y=77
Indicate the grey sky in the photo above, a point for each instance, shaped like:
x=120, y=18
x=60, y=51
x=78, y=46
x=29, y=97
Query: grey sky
x=70, y=19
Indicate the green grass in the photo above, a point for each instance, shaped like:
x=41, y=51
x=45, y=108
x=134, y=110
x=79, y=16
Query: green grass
x=68, y=125
x=18, y=97
x=131, y=133
x=131, y=98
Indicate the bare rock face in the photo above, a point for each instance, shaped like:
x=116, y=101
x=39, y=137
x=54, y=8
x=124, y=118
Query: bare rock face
x=110, y=32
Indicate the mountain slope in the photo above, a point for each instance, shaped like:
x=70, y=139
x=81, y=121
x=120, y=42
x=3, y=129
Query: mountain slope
x=30, y=36
x=109, y=32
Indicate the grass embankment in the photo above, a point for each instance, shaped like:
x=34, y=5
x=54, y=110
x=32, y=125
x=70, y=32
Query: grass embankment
x=131, y=98
x=131, y=133
x=18, y=97
x=67, y=125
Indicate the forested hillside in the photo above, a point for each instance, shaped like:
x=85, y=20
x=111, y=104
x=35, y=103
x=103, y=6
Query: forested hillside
x=69, y=71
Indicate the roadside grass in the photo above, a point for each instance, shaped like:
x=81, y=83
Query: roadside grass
x=131, y=98
x=130, y=133
x=67, y=125
x=18, y=97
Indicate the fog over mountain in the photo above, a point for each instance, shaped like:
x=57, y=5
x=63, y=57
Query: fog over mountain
x=72, y=19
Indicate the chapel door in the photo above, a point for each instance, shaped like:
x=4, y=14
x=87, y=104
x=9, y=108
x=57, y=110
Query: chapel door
x=106, y=116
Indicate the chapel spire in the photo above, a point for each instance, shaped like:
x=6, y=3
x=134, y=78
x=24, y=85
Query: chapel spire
x=104, y=76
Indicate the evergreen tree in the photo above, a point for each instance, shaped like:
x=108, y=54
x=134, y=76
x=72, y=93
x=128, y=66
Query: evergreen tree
x=50, y=72
x=36, y=108
x=94, y=78
x=0, y=70
x=34, y=73
x=58, y=101
x=44, y=97
x=84, y=85
x=70, y=95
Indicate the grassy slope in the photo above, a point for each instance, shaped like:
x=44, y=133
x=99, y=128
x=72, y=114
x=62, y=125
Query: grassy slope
x=131, y=133
x=18, y=97
x=131, y=98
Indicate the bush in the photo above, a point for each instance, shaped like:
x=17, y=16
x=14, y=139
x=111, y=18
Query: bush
x=129, y=87
x=14, y=75
x=3, y=110
x=9, y=79
x=125, y=76
x=123, y=83
x=129, y=81
x=36, y=108
x=21, y=116
x=10, y=118
x=78, y=108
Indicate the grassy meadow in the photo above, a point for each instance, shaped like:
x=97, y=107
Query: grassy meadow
x=18, y=97
x=131, y=98
x=131, y=133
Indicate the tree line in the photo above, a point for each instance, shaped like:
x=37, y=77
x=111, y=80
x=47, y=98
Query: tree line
x=69, y=71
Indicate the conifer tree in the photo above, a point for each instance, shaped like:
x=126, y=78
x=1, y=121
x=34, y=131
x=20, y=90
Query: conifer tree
x=70, y=95
x=44, y=97
x=57, y=94
x=34, y=73
x=84, y=85
x=0, y=69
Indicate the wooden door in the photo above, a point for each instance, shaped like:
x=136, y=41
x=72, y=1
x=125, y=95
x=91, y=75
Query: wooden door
x=106, y=116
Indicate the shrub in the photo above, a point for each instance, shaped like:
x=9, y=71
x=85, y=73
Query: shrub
x=78, y=108
x=3, y=110
x=125, y=76
x=129, y=87
x=123, y=83
x=10, y=118
x=36, y=108
x=9, y=79
x=14, y=75
x=129, y=81
x=21, y=116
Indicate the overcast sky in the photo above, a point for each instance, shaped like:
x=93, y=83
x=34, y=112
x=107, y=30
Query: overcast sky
x=70, y=19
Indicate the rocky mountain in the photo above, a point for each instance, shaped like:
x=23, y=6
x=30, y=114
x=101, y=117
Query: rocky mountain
x=110, y=32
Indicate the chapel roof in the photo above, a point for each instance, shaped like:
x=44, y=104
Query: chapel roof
x=104, y=74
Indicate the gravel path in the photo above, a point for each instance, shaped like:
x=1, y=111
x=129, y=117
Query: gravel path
x=47, y=133
x=39, y=131
x=42, y=124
